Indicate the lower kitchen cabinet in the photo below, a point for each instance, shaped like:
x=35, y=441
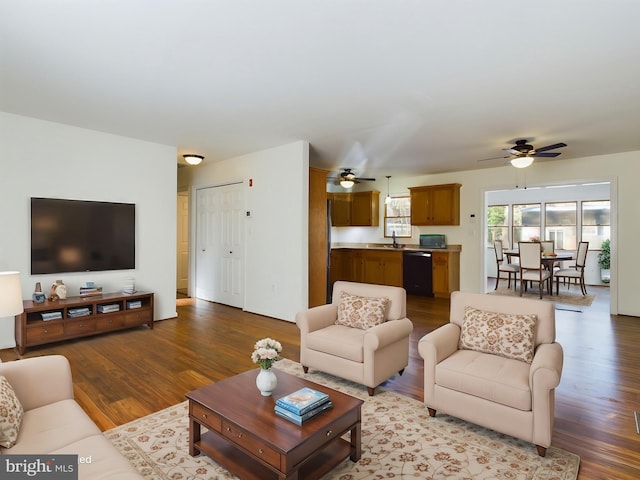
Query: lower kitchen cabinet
x=384, y=267
x=446, y=273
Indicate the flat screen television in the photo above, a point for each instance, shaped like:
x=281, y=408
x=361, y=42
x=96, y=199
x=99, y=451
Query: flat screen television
x=81, y=236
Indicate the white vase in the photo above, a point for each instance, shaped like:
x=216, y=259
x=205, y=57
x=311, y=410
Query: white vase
x=266, y=382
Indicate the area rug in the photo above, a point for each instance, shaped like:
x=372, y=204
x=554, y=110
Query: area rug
x=564, y=298
x=399, y=440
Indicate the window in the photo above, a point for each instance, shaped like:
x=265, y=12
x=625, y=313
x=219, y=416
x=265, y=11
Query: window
x=397, y=217
x=526, y=222
x=498, y=225
x=596, y=222
x=561, y=224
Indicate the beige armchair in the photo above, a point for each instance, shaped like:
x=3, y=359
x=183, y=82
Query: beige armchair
x=506, y=385
x=368, y=353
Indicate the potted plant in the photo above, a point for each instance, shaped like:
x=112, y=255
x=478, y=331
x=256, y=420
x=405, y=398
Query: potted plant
x=604, y=260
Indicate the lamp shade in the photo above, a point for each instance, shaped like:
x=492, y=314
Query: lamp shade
x=193, y=159
x=10, y=294
x=346, y=183
x=522, y=162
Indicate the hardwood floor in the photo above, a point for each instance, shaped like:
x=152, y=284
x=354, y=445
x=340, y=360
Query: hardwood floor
x=124, y=375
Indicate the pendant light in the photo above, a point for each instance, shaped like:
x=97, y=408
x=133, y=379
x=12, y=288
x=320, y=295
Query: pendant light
x=387, y=200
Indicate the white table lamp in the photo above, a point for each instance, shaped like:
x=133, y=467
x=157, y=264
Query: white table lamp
x=10, y=294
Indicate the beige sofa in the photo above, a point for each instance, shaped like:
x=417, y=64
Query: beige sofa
x=509, y=395
x=366, y=356
x=53, y=423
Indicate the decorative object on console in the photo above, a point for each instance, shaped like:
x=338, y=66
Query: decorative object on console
x=129, y=285
x=38, y=296
x=10, y=294
x=265, y=352
x=60, y=289
x=193, y=159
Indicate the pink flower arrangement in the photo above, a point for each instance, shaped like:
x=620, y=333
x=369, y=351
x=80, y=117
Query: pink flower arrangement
x=266, y=352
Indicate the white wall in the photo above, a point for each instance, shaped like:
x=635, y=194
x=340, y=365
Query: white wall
x=276, y=233
x=619, y=169
x=45, y=159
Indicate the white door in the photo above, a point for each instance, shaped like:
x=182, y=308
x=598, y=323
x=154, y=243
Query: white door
x=182, y=254
x=219, y=244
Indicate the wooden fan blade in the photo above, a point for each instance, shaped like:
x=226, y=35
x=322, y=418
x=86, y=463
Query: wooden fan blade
x=362, y=179
x=547, y=155
x=551, y=147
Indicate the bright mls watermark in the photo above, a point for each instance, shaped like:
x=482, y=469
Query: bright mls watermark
x=50, y=467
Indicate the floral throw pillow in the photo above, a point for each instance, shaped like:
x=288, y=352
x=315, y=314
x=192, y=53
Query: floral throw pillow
x=11, y=412
x=506, y=335
x=361, y=312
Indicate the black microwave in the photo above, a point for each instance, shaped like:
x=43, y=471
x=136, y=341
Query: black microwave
x=433, y=240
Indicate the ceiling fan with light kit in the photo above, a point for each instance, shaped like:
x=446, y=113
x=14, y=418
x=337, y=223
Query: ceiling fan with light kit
x=522, y=154
x=348, y=178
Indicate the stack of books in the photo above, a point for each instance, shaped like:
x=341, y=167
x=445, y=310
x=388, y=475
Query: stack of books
x=46, y=316
x=78, y=312
x=131, y=304
x=89, y=289
x=112, y=307
x=303, y=404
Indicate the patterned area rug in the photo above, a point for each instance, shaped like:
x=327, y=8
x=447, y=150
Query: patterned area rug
x=399, y=440
x=566, y=298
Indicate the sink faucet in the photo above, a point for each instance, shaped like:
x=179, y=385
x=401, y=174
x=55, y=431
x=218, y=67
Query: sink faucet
x=393, y=235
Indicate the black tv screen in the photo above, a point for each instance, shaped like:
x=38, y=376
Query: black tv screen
x=81, y=236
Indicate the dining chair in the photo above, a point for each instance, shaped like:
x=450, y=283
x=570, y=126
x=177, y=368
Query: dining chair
x=501, y=266
x=531, y=268
x=548, y=246
x=577, y=271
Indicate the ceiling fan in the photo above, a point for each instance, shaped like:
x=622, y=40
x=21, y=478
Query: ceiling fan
x=522, y=154
x=347, y=178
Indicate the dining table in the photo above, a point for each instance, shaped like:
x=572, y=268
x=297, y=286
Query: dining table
x=546, y=260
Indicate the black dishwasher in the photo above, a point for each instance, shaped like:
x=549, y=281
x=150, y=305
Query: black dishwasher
x=416, y=273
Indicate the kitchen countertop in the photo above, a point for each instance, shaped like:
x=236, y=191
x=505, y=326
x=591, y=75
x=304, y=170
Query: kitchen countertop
x=389, y=247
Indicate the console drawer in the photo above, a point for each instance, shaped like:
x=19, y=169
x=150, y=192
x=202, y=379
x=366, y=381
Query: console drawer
x=250, y=443
x=44, y=333
x=79, y=327
x=110, y=322
x=133, y=317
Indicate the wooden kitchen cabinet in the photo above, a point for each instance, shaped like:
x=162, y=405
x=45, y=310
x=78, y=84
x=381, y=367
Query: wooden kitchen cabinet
x=446, y=273
x=435, y=204
x=361, y=209
x=365, y=209
x=340, y=209
x=382, y=268
x=385, y=267
x=367, y=266
x=355, y=264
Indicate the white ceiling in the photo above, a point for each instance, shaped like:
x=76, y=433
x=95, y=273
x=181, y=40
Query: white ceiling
x=383, y=86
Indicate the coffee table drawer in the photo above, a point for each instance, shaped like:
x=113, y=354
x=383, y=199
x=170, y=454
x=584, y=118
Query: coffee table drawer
x=206, y=417
x=254, y=445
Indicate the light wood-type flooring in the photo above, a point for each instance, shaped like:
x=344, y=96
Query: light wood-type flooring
x=124, y=375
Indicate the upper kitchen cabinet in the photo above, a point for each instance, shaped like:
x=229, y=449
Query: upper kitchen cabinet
x=435, y=204
x=361, y=209
x=340, y=209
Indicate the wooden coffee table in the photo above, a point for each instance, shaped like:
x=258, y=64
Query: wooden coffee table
x=245, y=435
